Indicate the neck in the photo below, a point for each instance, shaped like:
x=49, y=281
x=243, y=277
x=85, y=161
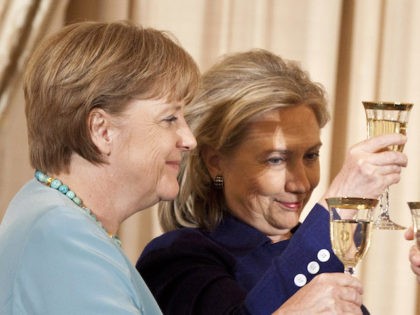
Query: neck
x=101, y=189
x=96, y=191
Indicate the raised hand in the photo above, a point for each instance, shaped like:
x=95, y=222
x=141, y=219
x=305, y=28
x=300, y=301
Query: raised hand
x=369, y=168
x=327, y=293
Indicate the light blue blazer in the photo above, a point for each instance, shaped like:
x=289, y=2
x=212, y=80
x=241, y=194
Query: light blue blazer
x=55, y=259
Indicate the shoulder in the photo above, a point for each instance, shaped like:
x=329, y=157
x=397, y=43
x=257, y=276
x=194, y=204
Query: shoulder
x=186, y=245
x=69, y=232
x=44, y=225
x=54, y=248
x=58, y=239
x=181, y=237
x=66, y=252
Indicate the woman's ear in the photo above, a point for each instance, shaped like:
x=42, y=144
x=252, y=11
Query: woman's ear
x=212, y=159
x=101, y=130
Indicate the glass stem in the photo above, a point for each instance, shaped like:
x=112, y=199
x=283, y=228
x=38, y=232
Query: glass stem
x=349, y=270
x=384, y=204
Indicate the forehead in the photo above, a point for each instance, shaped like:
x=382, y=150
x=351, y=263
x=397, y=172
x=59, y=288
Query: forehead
x=286, y=126
x=153, y=106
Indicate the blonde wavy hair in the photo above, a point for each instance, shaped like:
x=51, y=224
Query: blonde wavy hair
x=236, y=89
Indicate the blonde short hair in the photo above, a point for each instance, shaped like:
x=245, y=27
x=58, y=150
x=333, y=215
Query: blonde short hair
x=96, y=65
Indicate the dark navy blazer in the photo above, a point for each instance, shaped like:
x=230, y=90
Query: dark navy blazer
x=235, y=269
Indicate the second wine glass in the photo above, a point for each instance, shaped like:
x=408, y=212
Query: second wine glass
x=350, y=228
x=385, y=118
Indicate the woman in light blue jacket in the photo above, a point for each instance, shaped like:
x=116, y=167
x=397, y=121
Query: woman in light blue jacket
x=104, y=107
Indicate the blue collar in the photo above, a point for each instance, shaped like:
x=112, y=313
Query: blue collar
x=239, y=236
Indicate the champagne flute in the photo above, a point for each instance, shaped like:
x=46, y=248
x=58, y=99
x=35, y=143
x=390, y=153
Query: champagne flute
x=385, y=118
x=415, y=215
x=350, y=228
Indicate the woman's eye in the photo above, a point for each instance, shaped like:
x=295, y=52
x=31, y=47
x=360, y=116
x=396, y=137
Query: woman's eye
x=275, y=160
x=312, y=156
x=171, y=118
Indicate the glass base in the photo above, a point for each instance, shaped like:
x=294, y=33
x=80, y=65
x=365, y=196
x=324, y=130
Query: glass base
x=384, y=223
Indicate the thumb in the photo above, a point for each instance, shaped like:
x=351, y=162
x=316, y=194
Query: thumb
x=409, y=234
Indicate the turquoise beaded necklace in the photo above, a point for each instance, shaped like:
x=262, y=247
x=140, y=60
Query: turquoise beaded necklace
x=65, y=190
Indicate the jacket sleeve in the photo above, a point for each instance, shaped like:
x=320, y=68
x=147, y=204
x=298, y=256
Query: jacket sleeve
x=308, y=254
x=190, y=275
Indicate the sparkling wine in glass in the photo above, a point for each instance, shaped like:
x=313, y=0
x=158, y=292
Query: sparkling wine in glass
x=385, y=118
x=350, y=228
x=415, y=215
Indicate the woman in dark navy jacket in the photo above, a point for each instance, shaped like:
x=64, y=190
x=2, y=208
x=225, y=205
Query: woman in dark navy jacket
x=234, y=244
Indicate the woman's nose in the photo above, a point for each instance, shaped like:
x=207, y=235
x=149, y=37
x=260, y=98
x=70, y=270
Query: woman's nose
x=297, y=180
x=187, y=140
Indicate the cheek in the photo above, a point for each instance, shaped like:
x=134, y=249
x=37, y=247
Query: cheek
x=145, y=155
x=153, y=145
x=314, y=175
x=271, y=183
x=240, y=188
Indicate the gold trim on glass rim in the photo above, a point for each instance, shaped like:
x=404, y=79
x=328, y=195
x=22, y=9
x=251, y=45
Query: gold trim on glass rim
x=387, y=105
x=350, y=202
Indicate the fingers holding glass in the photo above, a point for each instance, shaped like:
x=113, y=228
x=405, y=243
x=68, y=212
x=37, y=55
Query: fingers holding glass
x=387, y=118
x=350, y=228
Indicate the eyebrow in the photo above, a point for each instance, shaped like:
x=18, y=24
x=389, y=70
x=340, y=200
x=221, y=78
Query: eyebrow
x=285, y=151
x=169, y=108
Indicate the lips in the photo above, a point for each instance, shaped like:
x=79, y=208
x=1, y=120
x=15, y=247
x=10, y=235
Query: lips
x=293, y=206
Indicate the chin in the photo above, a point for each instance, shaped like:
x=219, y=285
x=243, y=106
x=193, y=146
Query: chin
x=169, y=194
x=288, y=223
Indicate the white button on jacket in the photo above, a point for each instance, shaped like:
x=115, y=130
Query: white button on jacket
x=323, y=255
x=313, y=267
x=300, y=280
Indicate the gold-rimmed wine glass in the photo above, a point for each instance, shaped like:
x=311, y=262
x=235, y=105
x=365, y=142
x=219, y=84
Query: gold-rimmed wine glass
x=385, y=118
x=350, y=228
